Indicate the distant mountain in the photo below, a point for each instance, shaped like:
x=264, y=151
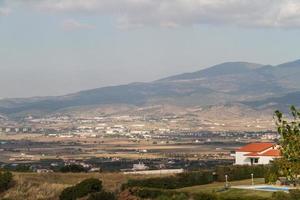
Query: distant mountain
x=229, y=68
x=282, y=103
x=241, y=82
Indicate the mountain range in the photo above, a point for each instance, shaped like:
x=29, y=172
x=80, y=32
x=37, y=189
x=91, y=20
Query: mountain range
x=249, y=84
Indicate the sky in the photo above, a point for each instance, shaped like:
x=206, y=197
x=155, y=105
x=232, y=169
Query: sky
x=56, y=47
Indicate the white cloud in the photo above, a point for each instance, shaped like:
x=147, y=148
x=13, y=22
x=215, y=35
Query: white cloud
x=173, y=13
x=71, y=25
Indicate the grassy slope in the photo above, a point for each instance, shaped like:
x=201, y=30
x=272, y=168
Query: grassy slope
x=231, y=192
x=33, y=186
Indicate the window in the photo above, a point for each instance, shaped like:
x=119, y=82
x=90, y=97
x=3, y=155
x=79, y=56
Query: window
x=254, y=161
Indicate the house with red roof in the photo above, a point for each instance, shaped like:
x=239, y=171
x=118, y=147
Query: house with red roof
x=256, y=154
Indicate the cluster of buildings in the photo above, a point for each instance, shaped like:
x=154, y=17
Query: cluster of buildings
x=17, y=129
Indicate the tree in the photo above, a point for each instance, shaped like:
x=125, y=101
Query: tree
x=289, y=130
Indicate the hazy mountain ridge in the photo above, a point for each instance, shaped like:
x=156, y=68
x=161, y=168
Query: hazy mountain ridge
x=253, y=84
x=282, y=103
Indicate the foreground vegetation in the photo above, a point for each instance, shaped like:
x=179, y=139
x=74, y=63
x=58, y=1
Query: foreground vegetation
x=93, y=186
x=289, y=130
x=48, y=186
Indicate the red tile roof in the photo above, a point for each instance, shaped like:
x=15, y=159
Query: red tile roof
x=255, y=147
x=254, y=154
x=272, y=152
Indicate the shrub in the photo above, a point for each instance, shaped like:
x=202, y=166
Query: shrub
x=81, y=189
x=6, y=179
x=102, y=196
x=205, y=196
x=180, y=196
x=148, y=193
x=238, y=172
x=271, y=178
x=173, y=182
x=88, y=186
x=68, y=193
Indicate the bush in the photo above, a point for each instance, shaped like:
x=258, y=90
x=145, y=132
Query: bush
x=271, y=178
x=173, y=182
x=180, y=196
x=238, y=172
x=68, y=193
x=205, y=196
x=148, y=193
x=81, y=189
x=272, y=174
x=88, y=186
x=6, y=179
x=102, y=196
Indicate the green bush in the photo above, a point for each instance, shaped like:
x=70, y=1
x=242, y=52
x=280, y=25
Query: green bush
x=68, y=193
x=240, y=172
x=180, y=196
x=82, y=189
x=272, y=174
x=173, y=182
x=205, y=196
x=88, y=186
x=271, y=178
x=6, y=179
x=150, y=193
x=102, y=196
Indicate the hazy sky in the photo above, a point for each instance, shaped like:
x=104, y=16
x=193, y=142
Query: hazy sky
x=53, y=47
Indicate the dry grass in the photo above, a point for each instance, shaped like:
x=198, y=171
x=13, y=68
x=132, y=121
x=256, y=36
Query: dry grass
x=33, y=186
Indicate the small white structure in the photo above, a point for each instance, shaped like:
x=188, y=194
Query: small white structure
x=41, y=171
x=162, y=171
x=140, y=166
x=256, y=154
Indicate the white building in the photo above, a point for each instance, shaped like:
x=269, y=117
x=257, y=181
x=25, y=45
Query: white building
x=140, y=166
x=256, y=154
x=161, y=171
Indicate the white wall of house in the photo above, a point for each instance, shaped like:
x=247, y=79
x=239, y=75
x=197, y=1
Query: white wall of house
x=240, y=159
x=264, y=160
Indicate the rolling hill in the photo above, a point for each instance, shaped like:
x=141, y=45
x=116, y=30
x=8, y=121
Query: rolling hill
x=233, y=82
